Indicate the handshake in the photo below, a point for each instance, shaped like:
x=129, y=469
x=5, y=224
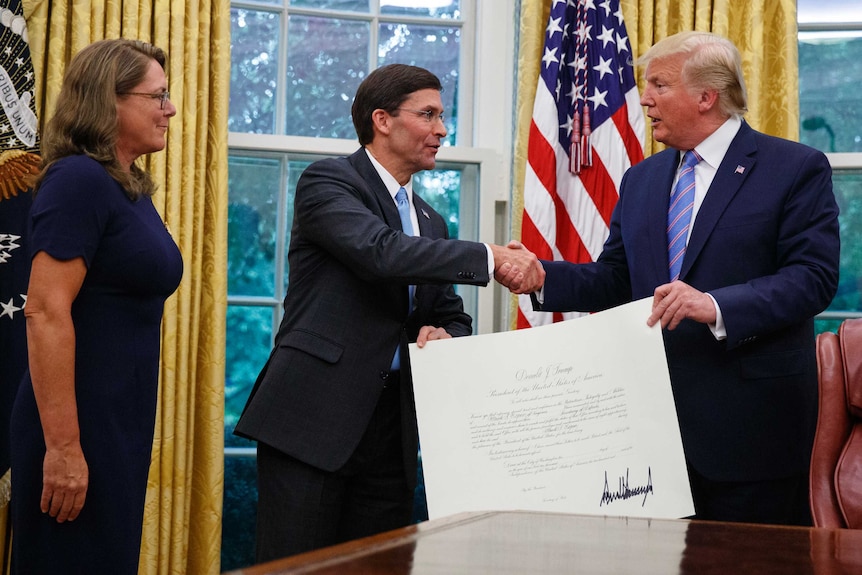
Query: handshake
x=517, y=268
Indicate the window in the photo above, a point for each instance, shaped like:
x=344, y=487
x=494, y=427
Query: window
x=300, y=81
x=830, y=116
x=295, y=65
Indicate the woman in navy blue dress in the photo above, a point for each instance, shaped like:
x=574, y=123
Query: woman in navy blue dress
x=103, y=264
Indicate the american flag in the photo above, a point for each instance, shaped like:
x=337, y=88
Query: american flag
x=587, y=130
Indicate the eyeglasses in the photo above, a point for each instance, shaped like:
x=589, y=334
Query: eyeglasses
x=162, y=97
x=429, y=115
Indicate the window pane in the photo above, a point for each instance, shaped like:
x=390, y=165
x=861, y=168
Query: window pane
x=327, y=58
x=432, y=8
x=821, y=325
x=343, y=5
x=828, y=11
x=253, y=71
x=848, y=192
x=249, y=340
x=453, y=193
x=830, y=102
x=441, y=189
x=239, y=513
x=433, y=47
x=253, y=186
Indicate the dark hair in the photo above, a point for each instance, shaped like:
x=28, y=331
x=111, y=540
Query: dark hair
x=85, y=120
x=386, y=88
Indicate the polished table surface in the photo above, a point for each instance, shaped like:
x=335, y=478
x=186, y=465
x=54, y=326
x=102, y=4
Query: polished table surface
x=548, y=543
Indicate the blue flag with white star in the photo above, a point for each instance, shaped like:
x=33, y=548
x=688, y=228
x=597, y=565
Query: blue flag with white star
x=19, y=146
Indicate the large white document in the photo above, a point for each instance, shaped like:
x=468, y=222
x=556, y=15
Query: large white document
x=574, y=417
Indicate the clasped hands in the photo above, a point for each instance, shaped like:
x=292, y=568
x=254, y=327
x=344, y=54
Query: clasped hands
x=517, y=268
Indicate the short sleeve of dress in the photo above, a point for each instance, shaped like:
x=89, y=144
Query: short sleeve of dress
x=71, y=209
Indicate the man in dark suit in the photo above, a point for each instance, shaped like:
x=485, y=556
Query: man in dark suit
x=333, y=410
x=761, y=261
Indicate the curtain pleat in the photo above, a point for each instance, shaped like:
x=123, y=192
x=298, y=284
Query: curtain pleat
x=182, y=519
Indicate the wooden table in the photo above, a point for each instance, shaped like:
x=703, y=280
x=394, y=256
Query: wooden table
x=548, y=543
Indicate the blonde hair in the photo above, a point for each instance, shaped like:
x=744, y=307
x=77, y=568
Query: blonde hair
x=85, y=119
x=712, y=63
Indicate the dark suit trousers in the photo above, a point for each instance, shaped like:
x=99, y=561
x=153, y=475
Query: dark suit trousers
x=781, y=501
x=301, y=507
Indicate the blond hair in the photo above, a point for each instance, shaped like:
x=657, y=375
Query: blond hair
x=712, y=63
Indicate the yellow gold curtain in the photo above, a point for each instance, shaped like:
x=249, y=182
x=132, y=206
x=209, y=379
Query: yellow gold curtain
x=763, y=30
x=182, y=522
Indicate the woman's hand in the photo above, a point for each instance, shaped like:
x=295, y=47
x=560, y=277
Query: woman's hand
x=65, y=478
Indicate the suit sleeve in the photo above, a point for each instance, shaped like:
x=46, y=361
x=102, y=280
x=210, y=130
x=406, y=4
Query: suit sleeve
x=337, y=211
x=806, y=258
x=438, y=304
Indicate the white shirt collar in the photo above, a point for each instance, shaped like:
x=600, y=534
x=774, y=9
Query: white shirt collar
x=392, y=185
x=715, y=146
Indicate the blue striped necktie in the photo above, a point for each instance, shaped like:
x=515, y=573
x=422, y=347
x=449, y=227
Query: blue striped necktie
x=407, y=228
x=679, y=214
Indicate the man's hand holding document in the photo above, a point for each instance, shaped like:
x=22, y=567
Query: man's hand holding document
x=575, y=417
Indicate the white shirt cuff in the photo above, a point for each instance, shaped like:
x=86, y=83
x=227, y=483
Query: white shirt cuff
x=718, y=330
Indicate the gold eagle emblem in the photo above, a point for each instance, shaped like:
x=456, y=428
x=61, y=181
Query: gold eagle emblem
x=17, y=169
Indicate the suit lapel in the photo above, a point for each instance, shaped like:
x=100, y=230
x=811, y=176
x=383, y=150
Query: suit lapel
x=729, y=178
x=426, y=228
x=376, y=188
x=385, y=206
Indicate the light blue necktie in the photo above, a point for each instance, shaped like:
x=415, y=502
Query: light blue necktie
x=679, y=214
x=407, y=228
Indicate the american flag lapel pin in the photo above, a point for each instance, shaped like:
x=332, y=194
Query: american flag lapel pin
x=739, y=170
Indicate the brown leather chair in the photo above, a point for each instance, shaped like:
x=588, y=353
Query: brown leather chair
x=836, y=460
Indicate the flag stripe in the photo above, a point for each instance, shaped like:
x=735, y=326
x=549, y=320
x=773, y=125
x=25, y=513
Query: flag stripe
x=601, y=188
x=583, y=212
x=631, y=142
x=529, y=230
x=540, y=214
x=542, y=159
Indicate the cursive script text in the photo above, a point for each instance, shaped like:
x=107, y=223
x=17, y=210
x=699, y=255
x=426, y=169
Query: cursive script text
x=626, y=492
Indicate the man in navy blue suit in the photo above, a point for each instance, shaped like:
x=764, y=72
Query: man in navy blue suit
x=760, y=260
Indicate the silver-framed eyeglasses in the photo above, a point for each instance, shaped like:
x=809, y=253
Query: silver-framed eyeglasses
x=430, y=115
x=162, y=97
